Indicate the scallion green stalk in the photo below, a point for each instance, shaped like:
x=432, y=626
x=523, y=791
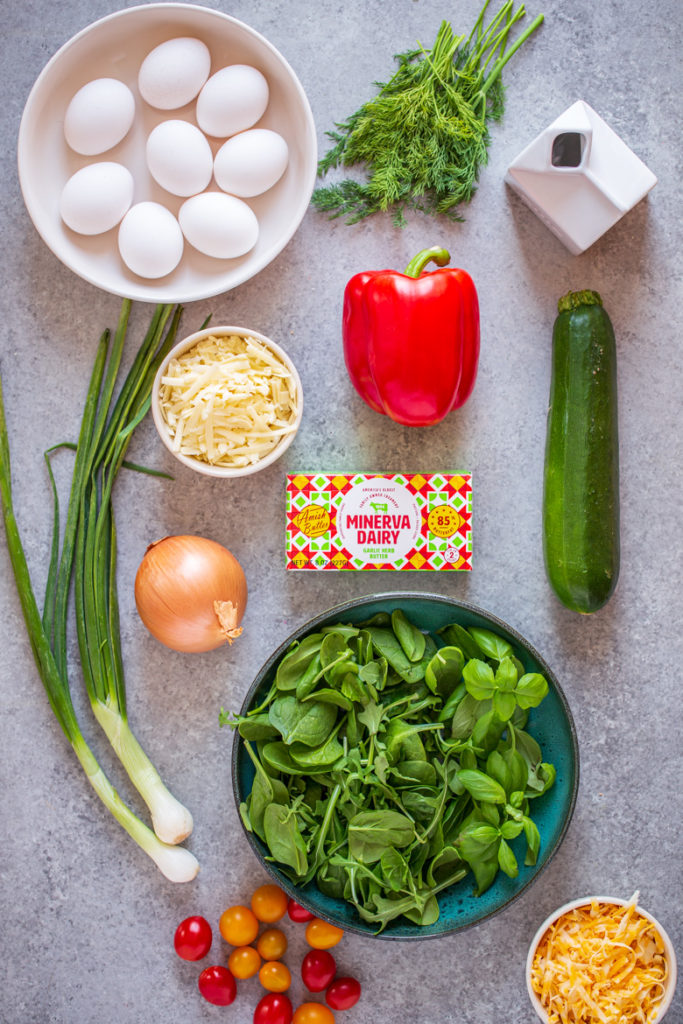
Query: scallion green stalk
x=88, y=553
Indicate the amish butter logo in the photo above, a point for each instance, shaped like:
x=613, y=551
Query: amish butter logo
x=313, y=520
x=379, y=521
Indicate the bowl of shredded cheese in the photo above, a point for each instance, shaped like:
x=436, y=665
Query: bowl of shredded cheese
x=601, y=960
x=227, y=401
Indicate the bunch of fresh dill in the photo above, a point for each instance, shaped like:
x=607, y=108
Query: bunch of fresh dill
x=424, y=137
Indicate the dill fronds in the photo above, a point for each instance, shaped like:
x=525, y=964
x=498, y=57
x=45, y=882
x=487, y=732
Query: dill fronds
x=424, y=138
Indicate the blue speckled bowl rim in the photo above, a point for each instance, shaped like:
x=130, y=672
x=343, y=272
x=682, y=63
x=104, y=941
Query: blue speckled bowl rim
x=336, y=612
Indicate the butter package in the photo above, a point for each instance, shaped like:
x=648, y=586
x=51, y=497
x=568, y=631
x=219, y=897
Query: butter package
x=343, y=521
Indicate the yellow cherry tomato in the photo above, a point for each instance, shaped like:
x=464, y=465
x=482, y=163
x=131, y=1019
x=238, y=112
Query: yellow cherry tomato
x=275, y=977
x=322, y=935
x=312, y=1013
x=238, y=926
x=244, y=962
x=269, y=903
x=272, y=944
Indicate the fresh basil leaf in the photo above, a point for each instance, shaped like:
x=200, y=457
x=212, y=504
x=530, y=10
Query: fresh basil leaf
x=490, y=813
x=528, y=747
x=533, y=840
x=531, y=689
x=504, y=705
x=506, y=676
x=481, y=786
x=499, y=769
x=409, y=636
x=491, y=644
x=507, y=860
x=479, y=679
x=511, y=829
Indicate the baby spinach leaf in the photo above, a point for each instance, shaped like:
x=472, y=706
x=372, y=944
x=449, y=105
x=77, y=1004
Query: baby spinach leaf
x=466, y=714
x=374, y=673
x=328, y=696
x=284, y=838
x=444, y=671
x=256, y=728
x=411, y=639
x=345, y=630
x=371, y=717
x=387, y=646
x=315, y=757
x=394, y=869
x=449, y=708
x=309, y=723
x=309, y=680
x=296, y=661
x=372, y=832
x=455, y=636
x=420, y=772
x=479, y=679
x=425, y=913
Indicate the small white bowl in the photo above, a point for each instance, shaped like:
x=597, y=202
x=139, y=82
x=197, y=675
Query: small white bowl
x=614, y=901
x=115, y=46
x=226, y=472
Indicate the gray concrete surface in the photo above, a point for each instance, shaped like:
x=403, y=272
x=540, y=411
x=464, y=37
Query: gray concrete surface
x=87, y=921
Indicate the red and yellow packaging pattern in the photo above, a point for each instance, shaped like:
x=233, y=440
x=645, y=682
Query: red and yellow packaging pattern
x=382, y=521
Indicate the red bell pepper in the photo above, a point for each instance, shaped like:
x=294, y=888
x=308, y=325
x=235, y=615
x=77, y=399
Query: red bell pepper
x=411, y=341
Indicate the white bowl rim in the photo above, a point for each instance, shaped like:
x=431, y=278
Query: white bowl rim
x=615, y=901
x=145, y=292
x=226, y=472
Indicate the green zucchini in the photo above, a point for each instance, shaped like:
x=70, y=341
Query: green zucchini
x=581, y=480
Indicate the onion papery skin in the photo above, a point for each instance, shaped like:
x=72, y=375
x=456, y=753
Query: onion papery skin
x=191, y=593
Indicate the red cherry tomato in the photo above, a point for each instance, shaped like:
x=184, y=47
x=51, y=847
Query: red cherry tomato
x=318, y=968
x=273, y=1009
x=217, y=985
x=298, y=913
x=343, y=993
x=192, y=939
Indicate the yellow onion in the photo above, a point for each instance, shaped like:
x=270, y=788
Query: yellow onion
x=191, y=593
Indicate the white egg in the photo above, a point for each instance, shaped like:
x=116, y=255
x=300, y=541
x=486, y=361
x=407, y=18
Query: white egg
x=150, y=240
x=179, y=158
x=250, y=163
x=218, y=225
x=172, y=74
x=99, y=116
x=95, y=198
x=233, y=99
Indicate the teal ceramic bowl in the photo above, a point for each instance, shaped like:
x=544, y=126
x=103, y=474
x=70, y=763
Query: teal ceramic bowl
x=551, y=724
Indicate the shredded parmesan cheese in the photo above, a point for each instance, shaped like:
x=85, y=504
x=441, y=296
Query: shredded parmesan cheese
x=228, y=401
x=600, y=963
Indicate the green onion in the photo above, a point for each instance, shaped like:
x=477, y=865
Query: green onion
x=88, y=555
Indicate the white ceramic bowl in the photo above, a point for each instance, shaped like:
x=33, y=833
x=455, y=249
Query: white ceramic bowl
x=115, y=47
x=668, y=945
x=227, y=472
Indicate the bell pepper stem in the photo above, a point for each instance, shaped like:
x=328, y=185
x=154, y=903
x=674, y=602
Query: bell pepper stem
x=433, y=255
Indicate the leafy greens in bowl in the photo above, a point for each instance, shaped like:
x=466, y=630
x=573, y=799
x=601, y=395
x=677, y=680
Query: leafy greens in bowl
x=405, y=765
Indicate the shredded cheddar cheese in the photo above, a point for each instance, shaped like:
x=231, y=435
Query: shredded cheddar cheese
x=228, y=401
x=600, y=964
